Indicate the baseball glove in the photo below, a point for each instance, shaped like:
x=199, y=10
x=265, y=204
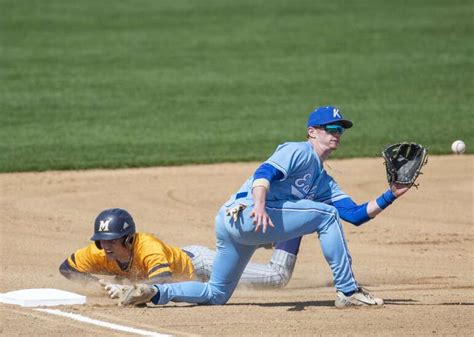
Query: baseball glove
x=137, y=294
x=403, y=162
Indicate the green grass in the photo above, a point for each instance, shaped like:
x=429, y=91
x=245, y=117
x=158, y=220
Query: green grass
x=88, y=83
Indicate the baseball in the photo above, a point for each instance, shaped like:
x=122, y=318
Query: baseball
x=458, y=147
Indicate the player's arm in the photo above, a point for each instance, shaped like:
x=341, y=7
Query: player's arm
x=73, y=274
x=84, y=262
x=360, y=214
x=162, y=278
x=157, y=265
x=160, y=273
x=283, y=161
x=262, y=179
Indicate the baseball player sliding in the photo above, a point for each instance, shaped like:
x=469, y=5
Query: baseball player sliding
x=289, y=195
x=118, y=250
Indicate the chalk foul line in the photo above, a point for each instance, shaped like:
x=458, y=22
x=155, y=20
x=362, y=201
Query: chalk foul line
x=103, y=324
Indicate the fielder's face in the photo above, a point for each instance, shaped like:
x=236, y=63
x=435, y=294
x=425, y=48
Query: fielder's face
x=115, y=249
x=327, y=139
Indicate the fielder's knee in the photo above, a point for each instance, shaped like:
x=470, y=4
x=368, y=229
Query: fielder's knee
x=218, y=297
x=333, y=211
x=331, y=219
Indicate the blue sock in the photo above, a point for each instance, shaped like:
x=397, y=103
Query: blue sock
x=291, y=246
x=350, y=293
x=156, y=298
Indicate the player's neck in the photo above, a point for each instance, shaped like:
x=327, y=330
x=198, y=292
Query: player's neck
x=125, y=258
x=322, y=151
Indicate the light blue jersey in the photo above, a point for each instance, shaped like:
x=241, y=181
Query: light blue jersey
x=298, y=204
x=304, y=176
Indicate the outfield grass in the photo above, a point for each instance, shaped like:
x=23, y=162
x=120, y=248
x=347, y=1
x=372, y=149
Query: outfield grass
x=88, y=83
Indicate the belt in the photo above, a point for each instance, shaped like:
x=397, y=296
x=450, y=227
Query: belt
x=241, y=195
x=191, y=255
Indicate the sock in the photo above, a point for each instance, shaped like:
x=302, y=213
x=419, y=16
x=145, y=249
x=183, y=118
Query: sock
x=350, y=293
x=155, y=299
x=291, y=246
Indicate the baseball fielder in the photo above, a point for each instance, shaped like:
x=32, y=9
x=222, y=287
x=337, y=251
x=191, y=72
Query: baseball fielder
x=118, y=250
x=290, y=195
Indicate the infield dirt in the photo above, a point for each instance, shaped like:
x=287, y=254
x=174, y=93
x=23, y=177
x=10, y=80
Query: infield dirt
x=417, y=255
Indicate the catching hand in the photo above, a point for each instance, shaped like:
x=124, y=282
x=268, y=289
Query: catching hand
x=399, y=189
x=403, y=163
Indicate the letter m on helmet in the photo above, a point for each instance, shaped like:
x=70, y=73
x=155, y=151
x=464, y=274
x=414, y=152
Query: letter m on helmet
x=104, y=225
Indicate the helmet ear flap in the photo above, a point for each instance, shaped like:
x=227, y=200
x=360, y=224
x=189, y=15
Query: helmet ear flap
x=129, y=241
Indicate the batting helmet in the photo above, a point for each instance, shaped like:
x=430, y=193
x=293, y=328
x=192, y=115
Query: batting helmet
x=111, y=224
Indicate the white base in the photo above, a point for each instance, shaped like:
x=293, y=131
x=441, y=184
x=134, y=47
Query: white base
x=41, y=297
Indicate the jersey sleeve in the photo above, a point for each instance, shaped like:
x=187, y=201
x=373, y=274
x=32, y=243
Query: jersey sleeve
x=154, y=258
x=328, y=190
x=157, y=266
x=287, y=157
x=72, y=274
x=268, y=172
x=87, y=260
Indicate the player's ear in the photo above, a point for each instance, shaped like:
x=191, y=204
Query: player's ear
x=128, y=241
x=311, y=132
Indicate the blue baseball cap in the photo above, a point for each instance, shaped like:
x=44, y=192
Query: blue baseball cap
x=327, y=115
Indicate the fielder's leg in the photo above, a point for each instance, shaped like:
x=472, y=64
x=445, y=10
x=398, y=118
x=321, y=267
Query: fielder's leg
x=275, y=274
x=230, y=261
x=297, y=218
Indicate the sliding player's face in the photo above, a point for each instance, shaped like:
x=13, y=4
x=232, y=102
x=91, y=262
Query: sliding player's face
x=115, y=249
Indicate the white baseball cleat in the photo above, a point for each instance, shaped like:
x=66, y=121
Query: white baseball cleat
x=360, y=298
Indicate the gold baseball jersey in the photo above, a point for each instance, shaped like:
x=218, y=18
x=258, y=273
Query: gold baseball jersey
x=151, y=257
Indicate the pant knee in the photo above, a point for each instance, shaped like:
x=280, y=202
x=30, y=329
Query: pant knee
x=282, y=276
x=332, y=218
x=284, y=279
x=333, y=213
x=218, y=296
x=219, y=299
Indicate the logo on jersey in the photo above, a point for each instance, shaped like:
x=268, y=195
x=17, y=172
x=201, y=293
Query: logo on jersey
x=335, y=113
x=303, y=189
x=104, y=225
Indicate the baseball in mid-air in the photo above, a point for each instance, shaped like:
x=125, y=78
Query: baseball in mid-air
x=458, y=147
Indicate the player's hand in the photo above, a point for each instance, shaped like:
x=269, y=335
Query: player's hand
x=114, y=290
x=261, y=219
x=398, y=189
